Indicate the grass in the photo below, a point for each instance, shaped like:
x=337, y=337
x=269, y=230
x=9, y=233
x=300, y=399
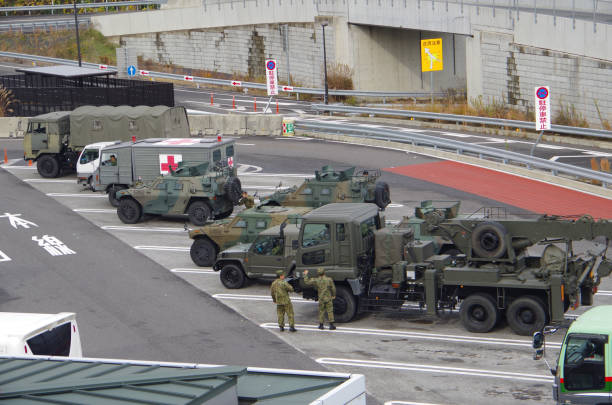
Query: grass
x=6, y=100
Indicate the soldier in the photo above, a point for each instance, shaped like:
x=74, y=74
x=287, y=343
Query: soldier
x=247, y=200
x=280, y=290
x=327, y=293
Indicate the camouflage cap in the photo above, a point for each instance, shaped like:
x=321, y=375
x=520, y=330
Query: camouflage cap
x=279, y=272
x=320, y=271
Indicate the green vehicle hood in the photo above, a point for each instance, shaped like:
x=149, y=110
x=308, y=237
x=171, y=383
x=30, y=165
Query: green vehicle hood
x=236, y=250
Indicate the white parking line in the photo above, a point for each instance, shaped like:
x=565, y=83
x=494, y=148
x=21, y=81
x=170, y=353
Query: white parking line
x=95, y=210
x=276, y=174
x=436, y=369
x=408, y=403
x=81, y=195
x=256, y=298
x=163, y=248
x=191, y=270
x=142, y=229
x=73, y=181
x=394, y=205
x=18, y=167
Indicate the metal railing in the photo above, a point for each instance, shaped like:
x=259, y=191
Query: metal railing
x=44, y=25
x=480, y=151
x=70, y=6
x=560, y=129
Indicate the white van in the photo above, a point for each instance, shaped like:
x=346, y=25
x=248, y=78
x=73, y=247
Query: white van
x=27, y=334
x=88, y=162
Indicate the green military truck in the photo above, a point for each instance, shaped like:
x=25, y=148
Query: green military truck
x=55, y=140
x=197, y=190
x=328, y=186
x=494, y=277
x=243, y=228
x=583, y=373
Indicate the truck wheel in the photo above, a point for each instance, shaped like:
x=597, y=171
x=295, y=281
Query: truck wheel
x=489, y=240
x=112, y=192
x=198, y=213
x=345, y=304
x=129, y=211
x=232, y=276
x=526, y=315
x=382, y=195
x=48, y=166
x=233, y=189
x=203, y=252
x=478, y=313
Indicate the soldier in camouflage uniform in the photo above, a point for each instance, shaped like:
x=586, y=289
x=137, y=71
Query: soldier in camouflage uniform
x=280, y=290
x=247, y=200
x=327, y=293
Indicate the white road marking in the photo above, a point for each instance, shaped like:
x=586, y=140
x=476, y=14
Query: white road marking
x=18, y=167
x=266, y=298
x=456, y=135
x=164, y=248
x=394, y=205
x=548, y=146
x=245, y=144
x=190, y=270
x=299, y=111
x=73, y=181
x=141, y=229
x=497, y=141
x=295, y=138
x=436, y=369
x=82, y=195
x=242, y=169
x=587, y=155
x=95, y=210
x=407, y=403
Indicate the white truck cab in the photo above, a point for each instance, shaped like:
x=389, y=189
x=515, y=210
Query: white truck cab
x=29, y=334
x=88, y=162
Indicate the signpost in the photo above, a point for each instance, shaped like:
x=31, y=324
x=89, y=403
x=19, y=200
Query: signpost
x=542, y=112
x=131, y=70
x=287, y=88
x=431, y=58
x=144, y=73
x=236, y=83
x=271, y=80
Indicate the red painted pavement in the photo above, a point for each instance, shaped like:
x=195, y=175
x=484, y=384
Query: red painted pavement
x=531, y=195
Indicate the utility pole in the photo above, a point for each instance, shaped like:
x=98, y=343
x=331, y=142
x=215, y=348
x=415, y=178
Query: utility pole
x=326, y=95
x=76, y=28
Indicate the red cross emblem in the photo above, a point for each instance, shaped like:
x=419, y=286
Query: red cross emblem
x=230, y=161
x=168, y=162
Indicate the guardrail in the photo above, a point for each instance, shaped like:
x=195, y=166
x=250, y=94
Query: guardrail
x=560, y=129
x=46, y=25
x=482, y=152
x=70, y=6
x=234, y=83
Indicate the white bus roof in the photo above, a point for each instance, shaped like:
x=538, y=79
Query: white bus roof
x=21, y=324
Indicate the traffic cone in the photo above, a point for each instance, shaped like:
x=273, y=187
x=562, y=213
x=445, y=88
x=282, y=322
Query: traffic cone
x=277, y=106
x=211, y=98
x=234, y=102
x=30, y=162
x=5, y=156
x=255, y=104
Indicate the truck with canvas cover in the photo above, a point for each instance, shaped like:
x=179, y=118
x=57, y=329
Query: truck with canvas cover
x=496, y=276
x=350, y=185
x=194, y=189
x=583, y=372
x=143, y=161
x=55, y=140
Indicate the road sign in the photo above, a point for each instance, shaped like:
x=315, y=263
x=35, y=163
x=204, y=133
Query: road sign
x=287, y=88
x=144, y=73
x=431, y=55
x=542, y=108
x=131, y=70
x=271, y=79
x=188, y=78
x=102, y=67
x=236, y=83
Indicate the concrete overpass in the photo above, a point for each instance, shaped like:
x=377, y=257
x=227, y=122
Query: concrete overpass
x=496, y=49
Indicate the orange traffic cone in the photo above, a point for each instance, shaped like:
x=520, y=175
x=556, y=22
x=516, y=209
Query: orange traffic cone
x=277, y=106
x=255, y=104
x=5, y=156
x=234, y=102
x=211, y=98
x=30, y=162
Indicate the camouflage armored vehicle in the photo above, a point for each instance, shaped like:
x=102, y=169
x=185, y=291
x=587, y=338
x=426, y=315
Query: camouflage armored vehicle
x=243, y=228
x=495, y=277
x=350, y=185
x=197, y=190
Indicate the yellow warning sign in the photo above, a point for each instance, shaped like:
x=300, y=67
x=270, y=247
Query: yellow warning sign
x=431, y=55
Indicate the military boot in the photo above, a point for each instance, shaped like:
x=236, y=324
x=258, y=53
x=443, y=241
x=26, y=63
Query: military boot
x=282, y=328
x=321, y=326
x=331, y=326
x=292, y=329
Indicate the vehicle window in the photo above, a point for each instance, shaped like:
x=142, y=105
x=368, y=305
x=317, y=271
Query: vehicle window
x=216, y=155
x=269, y=245
x=96, y=125
x=54, y=342
x=229, y=151
x=325, y=191
x=315, y=234
x=178, y=186
x=307, y=191
x=109, y=159
x=38, y=128
x=240, y=224
x=584, y=367
x=160, y=186
x=340, y=232
x=89, y=155
x=260, y=225
x=132, y=125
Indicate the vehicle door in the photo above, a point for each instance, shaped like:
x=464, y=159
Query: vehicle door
x=342, y=239
x=266, y=256
x=584, y=375
x=109, y=169
x=153, y=198
x=175, y=200
x=88, y=161
x=254, y=227
x=315, y=246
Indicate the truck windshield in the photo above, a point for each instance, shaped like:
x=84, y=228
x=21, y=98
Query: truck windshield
x=37, y=127
x=584, y=366
x=89, y=155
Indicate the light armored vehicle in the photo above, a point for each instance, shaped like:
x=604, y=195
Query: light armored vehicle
x=243, y=228
x=197, y=190
x=55, y=140
x=328, y=186
x=496, y=276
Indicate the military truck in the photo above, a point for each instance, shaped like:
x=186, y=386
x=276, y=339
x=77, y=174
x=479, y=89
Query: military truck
x=55, y=140
x=329, y=185
x=495, y=277
x=243, y=228
x=198, y=190
x=126, y=163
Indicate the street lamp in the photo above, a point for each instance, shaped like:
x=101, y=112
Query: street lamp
x=76, y=27
x=326, y=95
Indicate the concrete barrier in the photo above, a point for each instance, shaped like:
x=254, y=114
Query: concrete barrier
x=13, y=127
x=198, y=124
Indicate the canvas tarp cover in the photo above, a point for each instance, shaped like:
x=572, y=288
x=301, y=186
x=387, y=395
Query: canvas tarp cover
x=89, y=124
x=389, y=244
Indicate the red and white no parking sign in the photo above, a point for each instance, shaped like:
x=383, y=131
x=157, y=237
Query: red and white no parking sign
x=542, y=108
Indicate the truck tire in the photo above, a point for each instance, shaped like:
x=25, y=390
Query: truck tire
x=489, y=240
x=203, y=252
x=478, y=313
x=233, y=189
x=382, y=195
x=112, y=192
x=48, y=166
x=232, y=276
x=345, y=304
x=129, y=211
x=526, y=315
x=198, y=212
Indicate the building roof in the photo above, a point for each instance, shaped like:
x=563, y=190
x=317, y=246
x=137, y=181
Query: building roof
x=66, y=71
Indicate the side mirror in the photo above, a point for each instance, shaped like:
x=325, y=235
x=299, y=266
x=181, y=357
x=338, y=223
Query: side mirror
x=538, y=340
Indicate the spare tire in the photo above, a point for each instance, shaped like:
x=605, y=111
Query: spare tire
x=233, y=189
x=489, y=240
x=382, y=195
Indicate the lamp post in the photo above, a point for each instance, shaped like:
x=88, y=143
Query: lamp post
x=76, y=27
x=326, y=95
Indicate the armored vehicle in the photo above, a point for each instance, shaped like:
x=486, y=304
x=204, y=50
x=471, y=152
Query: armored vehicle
x=243, y=228
x=496, y=276
x=125, y=163
x=197, y=190
x=329, y=185
x=55, y=140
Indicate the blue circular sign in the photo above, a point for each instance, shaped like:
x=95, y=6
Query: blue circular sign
x=542, y=93
x=270, y=65
x=131, y=70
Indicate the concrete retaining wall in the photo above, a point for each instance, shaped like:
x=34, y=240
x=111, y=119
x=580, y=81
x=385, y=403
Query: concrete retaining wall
x=13, y=127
